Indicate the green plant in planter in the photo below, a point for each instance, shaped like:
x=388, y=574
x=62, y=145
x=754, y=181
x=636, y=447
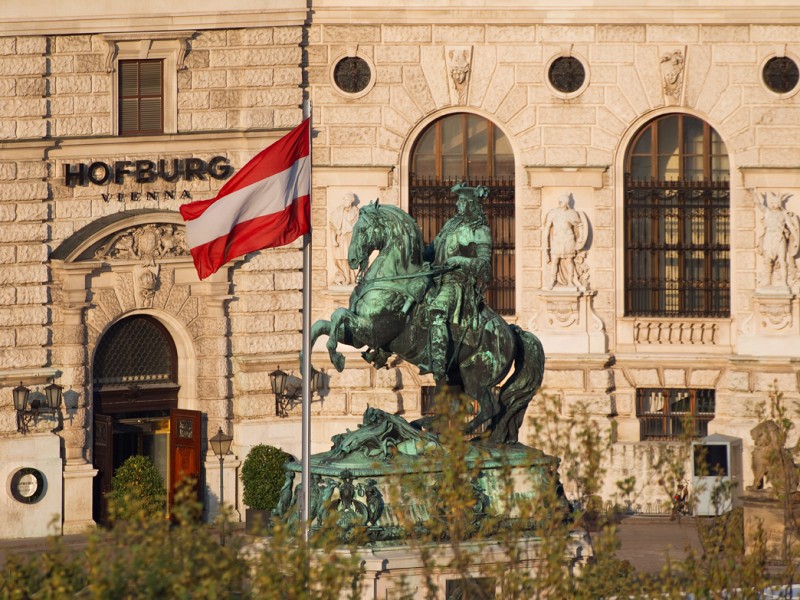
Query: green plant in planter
x=262, y=476
x=137, y=489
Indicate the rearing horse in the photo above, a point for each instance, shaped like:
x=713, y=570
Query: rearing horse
x=388, y=314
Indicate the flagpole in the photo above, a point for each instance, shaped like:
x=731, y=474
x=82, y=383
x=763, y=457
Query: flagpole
x=306, y=365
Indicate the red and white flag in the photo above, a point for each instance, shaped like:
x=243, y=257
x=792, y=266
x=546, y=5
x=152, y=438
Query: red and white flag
x=266, y=204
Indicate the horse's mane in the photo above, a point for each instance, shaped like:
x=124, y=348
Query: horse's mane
x=401, y=229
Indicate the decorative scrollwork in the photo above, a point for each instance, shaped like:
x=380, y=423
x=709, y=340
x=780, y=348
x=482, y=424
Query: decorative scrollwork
x=145, y=242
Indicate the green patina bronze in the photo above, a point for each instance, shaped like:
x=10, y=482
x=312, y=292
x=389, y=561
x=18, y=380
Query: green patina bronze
x=426, y=306
x=368, y=484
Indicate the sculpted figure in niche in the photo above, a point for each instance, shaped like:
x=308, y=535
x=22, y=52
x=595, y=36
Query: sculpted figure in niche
x=565, y=233
x=779, y=241
x=342, y=220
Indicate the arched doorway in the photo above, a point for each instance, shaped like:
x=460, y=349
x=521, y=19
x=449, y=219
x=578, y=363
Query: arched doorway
x=468, y=147
x=135, y=401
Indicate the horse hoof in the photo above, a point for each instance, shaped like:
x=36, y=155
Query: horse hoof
x=338, y=362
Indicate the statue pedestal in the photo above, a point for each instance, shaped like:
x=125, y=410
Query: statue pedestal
x=774, y=323
x=388, y=498
x=401, y=571
x=566, y=323
x=762, y=511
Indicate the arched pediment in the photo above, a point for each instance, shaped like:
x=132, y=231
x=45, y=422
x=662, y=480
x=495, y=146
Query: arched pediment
x=140, y=235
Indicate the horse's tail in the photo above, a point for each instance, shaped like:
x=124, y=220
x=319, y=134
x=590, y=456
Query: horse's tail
x=519, y=389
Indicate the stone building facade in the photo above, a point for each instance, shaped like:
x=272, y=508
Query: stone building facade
x=91, y=241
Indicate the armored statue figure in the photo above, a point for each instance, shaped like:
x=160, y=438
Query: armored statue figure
x=375, y=503
x=464, y=245
x=285, y=495
x=565, y=232
x=779, y=241
x=343, y=219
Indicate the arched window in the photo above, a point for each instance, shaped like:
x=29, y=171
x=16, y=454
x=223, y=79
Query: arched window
x=677, y=221
x=136, y=351
x=465, y=147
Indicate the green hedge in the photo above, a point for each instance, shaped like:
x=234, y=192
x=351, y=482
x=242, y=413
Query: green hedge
x=262, y=476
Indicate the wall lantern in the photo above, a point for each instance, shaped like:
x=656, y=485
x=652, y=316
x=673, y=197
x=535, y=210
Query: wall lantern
x=288, y=391
x=29, y=410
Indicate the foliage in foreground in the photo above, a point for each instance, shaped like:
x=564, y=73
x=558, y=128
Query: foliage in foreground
x=142, y=557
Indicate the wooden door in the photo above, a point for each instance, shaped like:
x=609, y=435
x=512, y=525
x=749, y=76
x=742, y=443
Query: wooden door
x=103, y=461
x=184, y=449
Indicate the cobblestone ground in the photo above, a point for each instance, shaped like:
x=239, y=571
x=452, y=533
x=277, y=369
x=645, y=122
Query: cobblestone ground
x=647, y=542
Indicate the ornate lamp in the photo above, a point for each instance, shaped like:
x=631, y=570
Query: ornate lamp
x=316, y=377
x=283, y=398
x=29, y=410
x=20, y=394
x=52, y=394
x=221, y=445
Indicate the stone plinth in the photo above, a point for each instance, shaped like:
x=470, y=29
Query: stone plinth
x=400, y=571
x=763, y=511
x=566, y=322
x=400, y=496
x=36, y=510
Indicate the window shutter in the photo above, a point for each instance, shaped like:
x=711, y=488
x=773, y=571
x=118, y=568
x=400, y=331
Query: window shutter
x=141, y=91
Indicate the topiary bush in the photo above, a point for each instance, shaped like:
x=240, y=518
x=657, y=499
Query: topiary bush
x=262, y=476
x=137, y=488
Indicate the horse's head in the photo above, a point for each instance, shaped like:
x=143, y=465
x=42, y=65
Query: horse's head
x=367, y=237
x=385, y=227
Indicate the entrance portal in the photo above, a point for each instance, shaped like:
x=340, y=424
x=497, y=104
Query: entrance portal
x=135, y=400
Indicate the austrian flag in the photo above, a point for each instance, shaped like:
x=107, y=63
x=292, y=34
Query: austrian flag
x=266, y=204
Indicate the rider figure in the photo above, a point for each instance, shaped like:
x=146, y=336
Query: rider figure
x=464, y=245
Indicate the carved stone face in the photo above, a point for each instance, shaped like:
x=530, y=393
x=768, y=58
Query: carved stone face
x=459, y=74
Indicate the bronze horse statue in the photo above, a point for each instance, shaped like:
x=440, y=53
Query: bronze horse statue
x=388, y=314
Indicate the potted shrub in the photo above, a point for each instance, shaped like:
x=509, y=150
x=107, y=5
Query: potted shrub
x=138, y=489
x=262, y=478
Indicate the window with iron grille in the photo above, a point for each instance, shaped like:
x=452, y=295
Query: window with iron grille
x=677, y=221
x=465, y=147
x=673, y=413
x=141, y=97
x=137, y=350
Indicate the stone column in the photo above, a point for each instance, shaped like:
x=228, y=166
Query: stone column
x=69, y=354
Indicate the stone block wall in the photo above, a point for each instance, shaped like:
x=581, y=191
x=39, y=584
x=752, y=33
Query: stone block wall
x=551, y=133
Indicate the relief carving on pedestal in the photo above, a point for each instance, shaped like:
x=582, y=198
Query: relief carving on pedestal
x=672, y=64
x=459, y=65
x=566, y=231
x=562, y=314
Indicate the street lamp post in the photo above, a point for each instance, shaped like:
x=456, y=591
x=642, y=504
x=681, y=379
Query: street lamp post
x=221, y=445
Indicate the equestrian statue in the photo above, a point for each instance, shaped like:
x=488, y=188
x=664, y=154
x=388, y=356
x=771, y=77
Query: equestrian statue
x=426, y=305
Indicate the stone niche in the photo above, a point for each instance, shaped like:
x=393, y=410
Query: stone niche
x=345, y=191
